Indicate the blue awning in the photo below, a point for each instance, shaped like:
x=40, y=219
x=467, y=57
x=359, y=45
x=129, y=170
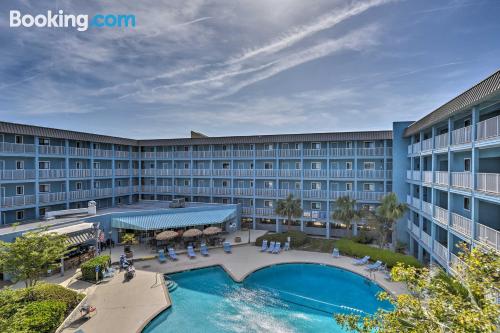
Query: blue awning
x=174, y=219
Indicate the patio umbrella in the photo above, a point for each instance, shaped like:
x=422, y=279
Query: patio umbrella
x=210, y=231
x=192, y=233
x=166, y=235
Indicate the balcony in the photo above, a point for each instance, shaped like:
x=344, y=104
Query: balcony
x=441, y=215
x=246, y=210
x=315, y=152
x=182, y=172
x=427, y=145
x=79, y=173
x=289, y=153
x=337, y=194
x=409, y=174
x=341, y=152
x=416, y=175
x=427, y=207
x=373, y=174
x=163, y=189
x=103, y=172
x=148, y=188
x=488, y=129
x=461, y=224
x=122, y=154
x=342, y=173
x=148, y=155
x=461, y=136
x=80, y=195
x=265, y=192
x=17, y=201
x=461, y=180
x=183, y=190
x=410, y=149
x=442, y=141
x=51, y=150
x=49, y=198
x=283, y=193
x=122, y=172
x=315, y=173
x=289, y=173
x=17, y=174
x=16, y=148
x=51, y=173
x=163, y=155
x=427, y=177
x=198, y=172
x=122, y=190
x=82, y=152
x=221, y=172
x=243, y=191
x=265, y=153
x=243, y=153
x=378, y=151
x=221, y=191
x=441, y=251
x=148, y=172
x=264, y=211
x=416, y=148
x=265, y=172
x=369, y=196
x=103, y=192
x=315, y=194
x=488, y=236
x=415, y=230
x=426, y=239
x=415, y=202
x=488, y=183
x=104, y=153
x=441, y=178
x=221, y=154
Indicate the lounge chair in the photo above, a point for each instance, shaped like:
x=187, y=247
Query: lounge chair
x=161, y=256
x=172, y=254
x=286, y=247
x=190, y=252
x=108, y=273
x=336, y=253
x=204, y=250
x=264, y=246
x=362, y=261
x=374, y=267
x=227, y=247
x=270, y=249
x=277, y=248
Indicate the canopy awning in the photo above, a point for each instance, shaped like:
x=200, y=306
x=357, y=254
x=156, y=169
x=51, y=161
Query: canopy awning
x=77, y=233
x=174, y=219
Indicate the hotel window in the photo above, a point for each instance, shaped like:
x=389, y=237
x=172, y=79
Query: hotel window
x=369, y=144
x=284, y=165
x=78, y=185
x=297, y=146
x=97, y=146
x=224, y=147
x=225, y=183
x=78, y=144
x=151, y=165
x=316, y=145
x=225, y=200
x=285, y=185
x=316, y=205
x=42, y=211
x=467, y=122
x=19, y=139
x=369, y=165
x=348, y=165
x=78, y=165
x=368, y=187
x=333, y=144
x=118, y=183
x=335, y=165
x=466, y=203
x=44, y=188
x=43, y=165
x=268, y=165
x=97, y=184
x=63, y=187
x=20, y=215
x=97, y=165
x=19, y=165
x=348, y=144
x=467, y=166
x=186, y=165
x=316, y=165
x=241, y=165
x=268, y=184
x=297, y=185
x=268, y=203
x=297, y=165
x=186, y=148
x=285, y=146
x=251, y=166
x=19, y=190
x=241, y=183
x=315, y=186
x=348, y=186
x=119, y=165
x=44, y=141
x=268, y=146
x=251, y=183
x=186, y=182
x=251, y=202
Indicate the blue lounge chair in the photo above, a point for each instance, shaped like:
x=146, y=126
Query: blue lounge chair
x=264, y=246
x=227, y=247
x=336, y=253
x=374, y=267
x=362, y=261
x=286, y=247
x=270, y=249
x=277, y=248
x=161, y=256
x=204, y=250
x=172, y=254
x=191, y=253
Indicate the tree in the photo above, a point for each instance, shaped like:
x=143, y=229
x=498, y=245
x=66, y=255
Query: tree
x=290, y=207
x=437, y=302
x=31, y=255
x=346, y=212
x=389, y=212
x=380, y=226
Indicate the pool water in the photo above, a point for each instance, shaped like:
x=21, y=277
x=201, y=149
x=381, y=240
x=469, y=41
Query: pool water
x=281, y=298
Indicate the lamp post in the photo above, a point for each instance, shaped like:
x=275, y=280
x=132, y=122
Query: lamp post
x=109, y=237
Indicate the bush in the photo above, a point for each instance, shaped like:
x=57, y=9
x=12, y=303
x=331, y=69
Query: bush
x=39, y=317
x=364, y=237
x=55, y=292
x=297, y=238
x=351, y=248
x=88, y=267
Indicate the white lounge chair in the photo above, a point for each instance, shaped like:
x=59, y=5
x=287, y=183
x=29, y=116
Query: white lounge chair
x=362, y=261
x=336, y=253
x=264, y=246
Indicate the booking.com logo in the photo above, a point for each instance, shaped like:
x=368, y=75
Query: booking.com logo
x=61, y=20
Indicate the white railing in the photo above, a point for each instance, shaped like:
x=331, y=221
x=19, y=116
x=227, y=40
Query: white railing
x=182, y=154
x=426, y=238
x=461, y=136
x=148, y=188
x=441, y=251
x=293, y=173
x=80, y=194
x=182, y=172
x=427, y=176
x=409, y=149
x=408, y=199
x=488, y=236
x=265, y=153
x=122, y=172
x=289, y=152
x=103, y=153
x=121, y=190
x=163, y=189
x=416, y=147
x=415, y=202
x=461, y=224
x=265, y=172
x=221, y=154
x=415, y=229
x=441, y=215
x=122, y=154
x=17, y=174
x=18, y=201
x=221, y=191
x=73, y=151
x=148, y=155
x=342, y=173
x=265, y=192
x=51, y=173
x=461, y=179
x=489, y=128
x=52, y=197
x=196, y=172
x=221, y=172
x=427, y=207
x=243, y=172
x=442, y=141
x=416, y=175
x=264, y=211
x=408, y=224
x=455, y=263
x=427, y=145
x=369, y=196
x=341, y=152
x=182, y=189
x=51, y=150
x=379, y=174
x=441, y=178
x=6, y=147
x=314, y=173
x=163, y=155
x=337, y=194
x=378, y=151
x=242, y=153
x=243, y=191
x=103, y=172
x=409, y=174
x=246, y=210
x=488, y=182
x=103, y=192
x=315, y=194
x=314, y=152
x=148, y=172
x=79, y=173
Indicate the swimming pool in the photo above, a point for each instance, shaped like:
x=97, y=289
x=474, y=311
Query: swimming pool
x=281, y=298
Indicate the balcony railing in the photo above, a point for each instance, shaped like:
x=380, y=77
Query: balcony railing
x=122, y=190
x=183, y=190
x=148, y=188
x=426, y=238
x=337, y=194
x=416, y=148
x=122, y=154
x=341, y=152
x=461, y=136
x=416, y=175
x=103, y=172
x=23, y=174
x=80, y=195
x=415, y=229
x=461, y=179
x=488, y=182
x=122, y=172
x=427, y=176
x=221, y=191
x=308, y=173
x=73, y=151
x=488, y=236
x=16, y=148
x=243, y=191
x=221, y=172
x=289, y=173
x=317, y=194
x=148, y=155
x=409, y=149
x=79, y=173
x=378, y=151
x=103, y=153
x=370, y=174
x=246, y=210
x=51, y=173
x=409, y=174
x=264, y=211
x=265, y=172
x=338, y=173
x=163, y=189
x=265, y=153
x=369, y=196
x=441, y=251
x=148, y=172
x=461, y=224
x=164, y=155
x=182, y=172
x=427, y=145
x=51, y=197
x=314, y=152
x=265, y=192
x=199, y=172
x=243, y=172
x=427, y=207
x=51, y=150
x=442, y=178
x=441, y=215
x=221, y=154
x=289, y=152
x=442, y=141
x=415, y=202
x=17, y=201
x=243, y=153
x=489, y=128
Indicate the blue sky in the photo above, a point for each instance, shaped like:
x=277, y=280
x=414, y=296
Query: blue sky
x=245, y=67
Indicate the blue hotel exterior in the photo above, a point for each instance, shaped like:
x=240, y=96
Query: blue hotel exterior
x=446, y=166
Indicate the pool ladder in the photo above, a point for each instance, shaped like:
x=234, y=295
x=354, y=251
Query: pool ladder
x=171, y=285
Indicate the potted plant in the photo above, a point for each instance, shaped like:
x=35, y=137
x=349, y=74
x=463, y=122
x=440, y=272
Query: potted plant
x=128, y=239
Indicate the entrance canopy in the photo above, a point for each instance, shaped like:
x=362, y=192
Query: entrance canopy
x=77, y=233
x=174, y=219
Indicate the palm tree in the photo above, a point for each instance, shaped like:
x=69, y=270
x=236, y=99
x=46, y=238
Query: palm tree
x=346, y=212
x=390, y=211
x=289, y=207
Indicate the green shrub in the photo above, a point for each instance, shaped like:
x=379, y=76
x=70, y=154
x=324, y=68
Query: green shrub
x=297, y=238
x=353, y=249
x=364, y=237
x=55, y=292
x=88, y=267
x=39, y=317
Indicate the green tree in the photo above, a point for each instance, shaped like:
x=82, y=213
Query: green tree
x=289, y=208
x=347, y=213
x=437, y=302
x=31, y=255
x=388, y=214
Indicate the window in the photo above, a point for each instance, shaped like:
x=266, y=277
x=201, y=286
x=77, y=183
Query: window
x=367, y=187
x=284, y=146
x=118, y=183
x=19, y=190
x=19, y=139
x=316, y=165
x=78, y=185
x=297, y=146
x=335, y=165
x=369, y=144
x=119, y=165
x=284, y=165
x=20, y=215
x=348, y=165
x=251, y=202
x=164, y=165
x=348, y=144
x=268, y=184
x=251, y=166
x=78, y=165
x=186, y=148
x=268, y=165
x=225, y=200
x=224, y=147
x=63, y=187
x=466, y=203
x=152, y=166
x=44, y=141
x=467, y=166
x=225, y=183
x=316, y=145
x=268, y=203
x=268, y=146
x=186, y=182
x=316, y=205
x=241, y=183
x=78, y=144
x=97, y=165
x=186, y=165
x=97, y=184
x=19, y=165
x=44, y=188
x=348, y=186
x=467, y=122
x=369, y=165
x=297, y=185
x=251, y=183
x=285, y=185
x=42, y=211
x=97, y=146
x=297, y=165
x=43, y=165
x=315, y=186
